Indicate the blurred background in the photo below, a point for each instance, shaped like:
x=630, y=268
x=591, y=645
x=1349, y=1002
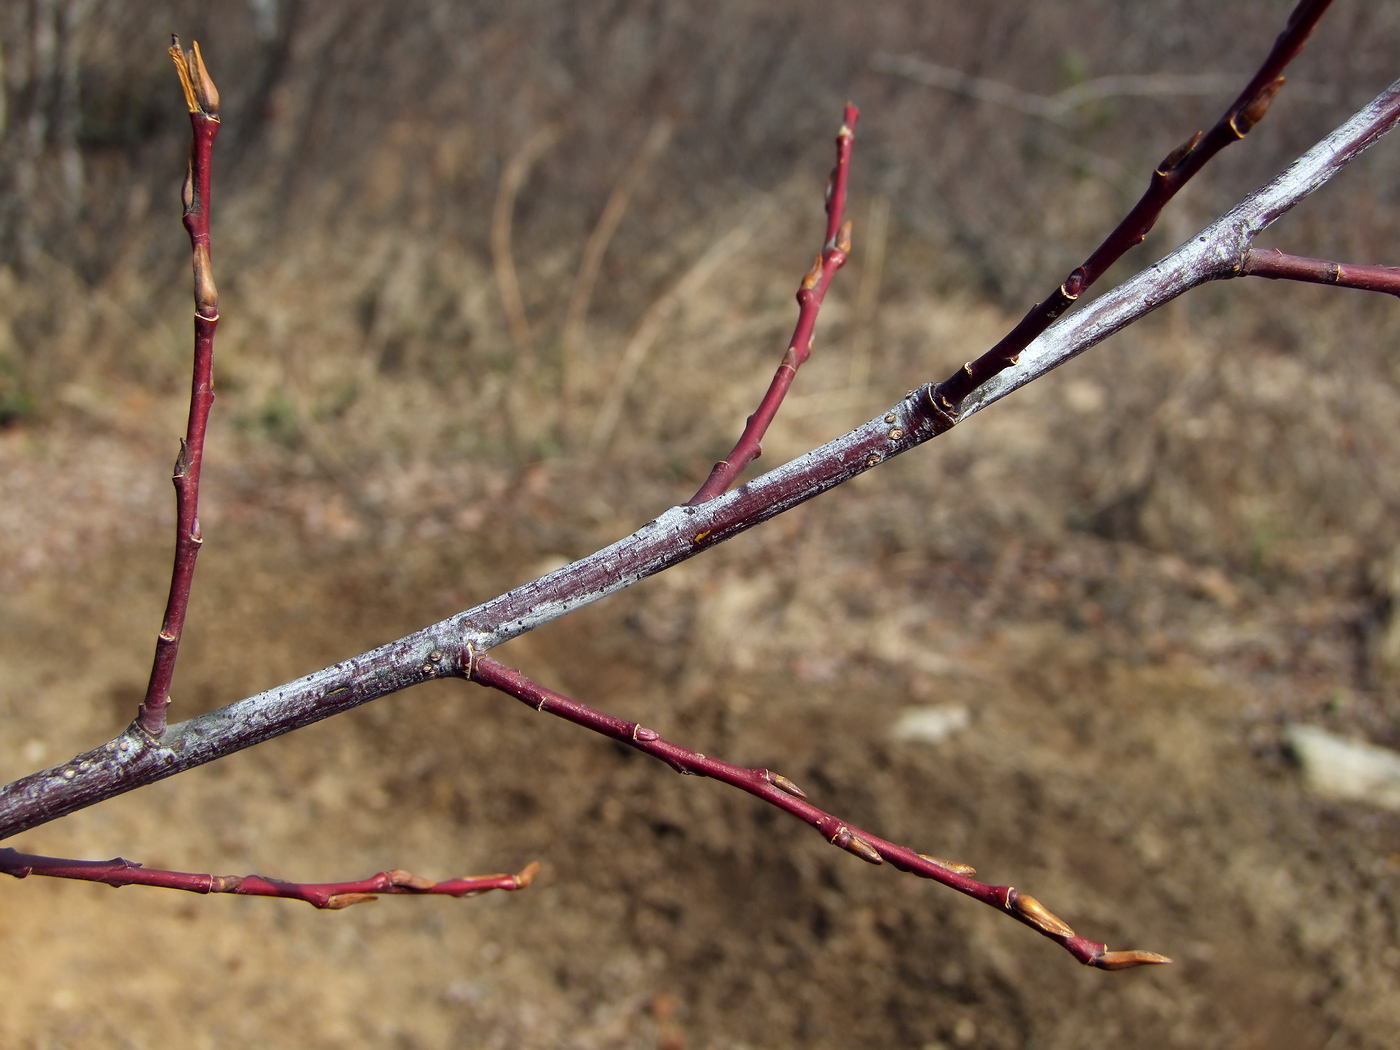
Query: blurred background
x=499, y=282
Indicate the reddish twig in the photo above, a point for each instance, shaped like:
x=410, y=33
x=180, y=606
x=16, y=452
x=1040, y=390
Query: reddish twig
x=779, y=791
x=1179, y=166
x=203, y=100
x=810, y=294
x=328, y=895
x=1280, y=266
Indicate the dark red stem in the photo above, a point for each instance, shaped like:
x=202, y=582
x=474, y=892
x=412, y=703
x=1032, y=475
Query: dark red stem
x=1277, y=265
x=204, y=121
x=810, y=294
x=1171, y=175
x=778, y=791
x=331, y=895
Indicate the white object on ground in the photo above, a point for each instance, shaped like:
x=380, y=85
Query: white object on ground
x=1338, y=767
x=929, y=725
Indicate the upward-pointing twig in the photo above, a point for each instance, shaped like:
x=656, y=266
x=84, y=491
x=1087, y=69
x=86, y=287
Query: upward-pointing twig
x=1176, y=169
x=202, y=98
x=809, y=298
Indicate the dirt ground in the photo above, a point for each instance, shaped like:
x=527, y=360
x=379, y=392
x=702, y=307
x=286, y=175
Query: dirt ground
x=1116, y=588
x=1122, y=761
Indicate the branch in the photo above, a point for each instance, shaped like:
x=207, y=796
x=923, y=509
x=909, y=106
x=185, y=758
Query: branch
x=1219, y=252
x=203, y=100
x=329, y=895
x=1176, y=169
x=810, y=294
x=779, y=791
x=134, y=758
x=1277, y=265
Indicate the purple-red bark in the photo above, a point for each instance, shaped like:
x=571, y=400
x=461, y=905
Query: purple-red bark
x=1277, y=265
x=1176, y=169
x=203, y=101
x=777, y=790
x=330, y=895
x=810, y=294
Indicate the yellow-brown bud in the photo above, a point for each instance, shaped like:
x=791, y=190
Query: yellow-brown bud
x=950, y=865
x=1176, y=156
x=1026, y=906
x=782, y=783
x=345, y=900
x=206, y=295
x=410, y=881
x=1127, y=960
x=205, y=93
x=1253, y=113
x=864, y=850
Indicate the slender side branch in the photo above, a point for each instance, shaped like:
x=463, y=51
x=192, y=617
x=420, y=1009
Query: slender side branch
x=1277, y=265
x=777, y=790
x=134, y=759
x=1176, y=169
x=329, y=895
x=203, y=100
x=810, y=294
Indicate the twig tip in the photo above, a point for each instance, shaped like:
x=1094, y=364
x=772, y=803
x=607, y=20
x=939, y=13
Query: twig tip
x=1127, y=960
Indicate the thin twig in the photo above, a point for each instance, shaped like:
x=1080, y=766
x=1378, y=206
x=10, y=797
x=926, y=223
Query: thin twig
x=779, y=791
x=202, y=98
x=329, y=895
x=593, y=251
x=1277, y=265
x=809, y=299
x=1176, y=169
x=502, y=242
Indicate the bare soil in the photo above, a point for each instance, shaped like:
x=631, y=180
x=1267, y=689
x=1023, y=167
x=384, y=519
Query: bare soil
x=1122, y=762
